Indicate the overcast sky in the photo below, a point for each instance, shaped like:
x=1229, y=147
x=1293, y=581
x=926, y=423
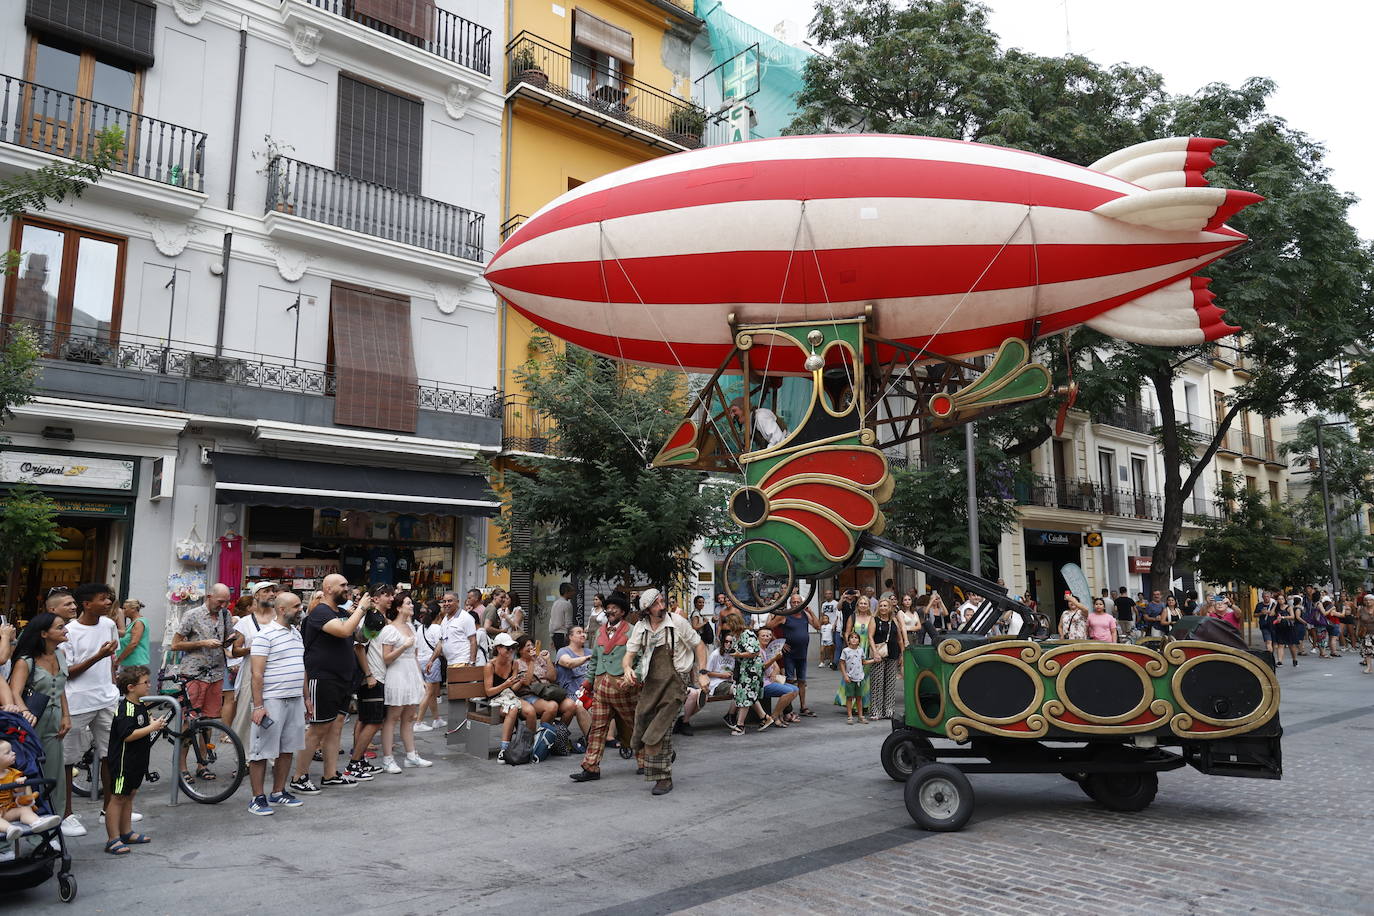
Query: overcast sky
x=1318, y=52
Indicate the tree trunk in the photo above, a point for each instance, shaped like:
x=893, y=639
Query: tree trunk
x=1177, y=488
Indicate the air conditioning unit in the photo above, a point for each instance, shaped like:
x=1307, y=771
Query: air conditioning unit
x=211, y=368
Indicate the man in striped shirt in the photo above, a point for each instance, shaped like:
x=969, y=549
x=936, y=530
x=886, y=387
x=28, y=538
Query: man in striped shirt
x=281, y=705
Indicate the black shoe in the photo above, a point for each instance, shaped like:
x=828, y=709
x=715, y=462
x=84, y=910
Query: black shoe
x=662, y=787
x=585, y=776
x=318, y=757
x=639, y=771
x=684, y=728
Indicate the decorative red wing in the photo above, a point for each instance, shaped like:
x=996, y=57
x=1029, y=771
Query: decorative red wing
x=858, y=509
x=865, y=467
x=685, y=434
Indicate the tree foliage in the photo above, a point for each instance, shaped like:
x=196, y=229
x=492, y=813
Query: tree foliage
x=929, y=504
x=28, y=529
x=1301, y=290
x=598, y=510
x=1251, y=544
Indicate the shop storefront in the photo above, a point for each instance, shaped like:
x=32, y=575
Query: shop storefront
x=94, y=495
x=1047, y=552
x=296, y=522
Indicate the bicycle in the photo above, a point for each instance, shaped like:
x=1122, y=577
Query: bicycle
x=220, y=763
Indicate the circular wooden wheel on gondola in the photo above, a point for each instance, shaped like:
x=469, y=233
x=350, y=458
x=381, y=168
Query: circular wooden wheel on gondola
x=759, y=575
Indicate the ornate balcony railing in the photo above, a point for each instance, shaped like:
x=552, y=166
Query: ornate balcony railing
x=1129, y=416
x=330, y=197
x=97, y=347
x=525, y=429
x=511, y=225
x=1084, y=495
x=443, y=34
x=66, y=125
x=532, y=61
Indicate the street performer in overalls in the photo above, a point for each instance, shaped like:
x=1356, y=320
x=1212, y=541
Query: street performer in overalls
x=612, y=697
x=672, y=653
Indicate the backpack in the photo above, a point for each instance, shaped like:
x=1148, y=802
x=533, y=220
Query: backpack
x=562, y=739
x=520, y=751
x=543, y=744
x=707, y=633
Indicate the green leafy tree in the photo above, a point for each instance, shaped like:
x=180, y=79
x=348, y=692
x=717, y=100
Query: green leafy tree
x=1350, y=485
x=1301, y=290
x=28, y=529
x=1252, y=544
x=929, y=504
x=598, y=510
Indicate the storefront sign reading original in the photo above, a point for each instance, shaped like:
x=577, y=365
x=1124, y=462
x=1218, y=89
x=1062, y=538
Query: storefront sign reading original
x=66, y=471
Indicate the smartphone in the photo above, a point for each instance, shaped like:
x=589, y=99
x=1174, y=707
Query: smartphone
x=267, y=722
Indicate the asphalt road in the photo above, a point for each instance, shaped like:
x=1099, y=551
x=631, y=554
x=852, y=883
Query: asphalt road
x=795, y=821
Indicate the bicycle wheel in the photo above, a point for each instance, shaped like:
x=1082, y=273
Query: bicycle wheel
x=82, y=776
x=215, y=760
x=758, y=575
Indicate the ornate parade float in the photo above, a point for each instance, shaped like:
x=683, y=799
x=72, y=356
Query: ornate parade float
x=832, y=294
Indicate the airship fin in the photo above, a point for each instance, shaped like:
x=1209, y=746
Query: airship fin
x=1178, y=315
x=1179, y=209
x=1171, y=162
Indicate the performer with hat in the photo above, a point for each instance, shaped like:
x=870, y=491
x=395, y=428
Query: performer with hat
x=669, y=652
x=613, y=698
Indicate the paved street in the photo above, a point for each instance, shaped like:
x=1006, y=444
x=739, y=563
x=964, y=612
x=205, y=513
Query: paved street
x=793, y=821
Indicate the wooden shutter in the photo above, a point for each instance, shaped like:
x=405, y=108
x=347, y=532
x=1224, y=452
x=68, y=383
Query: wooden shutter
x=123, y=29
x=374, y=363
x=414, y=17
x=380, y=135
x=599, y=35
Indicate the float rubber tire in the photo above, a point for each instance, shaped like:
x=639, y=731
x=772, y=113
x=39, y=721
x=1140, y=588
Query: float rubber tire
x=66, y=888
x=902, y=752
x=939, y=797
x=1122, y=791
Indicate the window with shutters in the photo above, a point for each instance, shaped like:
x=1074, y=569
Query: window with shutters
x=603, y=58
x=380, y=135
x=372, y=358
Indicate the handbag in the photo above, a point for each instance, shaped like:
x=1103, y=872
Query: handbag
x=36, y=701
x=548, y=690
x=880, y=642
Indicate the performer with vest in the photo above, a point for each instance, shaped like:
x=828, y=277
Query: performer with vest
x=612, y=697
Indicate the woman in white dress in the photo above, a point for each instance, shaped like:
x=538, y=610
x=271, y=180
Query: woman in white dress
x=405, y=688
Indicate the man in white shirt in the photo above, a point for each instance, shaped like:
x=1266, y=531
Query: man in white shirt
x=964, y=612
x=560, y=616
x=92, y=640
x=458, y=637
x=768, y=432
x=280, y=705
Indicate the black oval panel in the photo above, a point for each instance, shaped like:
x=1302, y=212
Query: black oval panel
x=749, y=505
x=1102, y=688
x=996, y=689
x=1222, y=690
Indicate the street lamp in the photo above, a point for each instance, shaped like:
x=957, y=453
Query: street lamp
x=975, y=564
x=1326, y=510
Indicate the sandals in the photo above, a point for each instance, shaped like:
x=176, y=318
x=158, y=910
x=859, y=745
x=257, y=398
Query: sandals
x=768, y=723
x=116, y=847
x=136, y=839
x=204, y=774
x=850, y=720
x=736, y=731
x=808, y=712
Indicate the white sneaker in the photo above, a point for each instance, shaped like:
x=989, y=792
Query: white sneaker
x=389, y=765
x=421, y=728
x=439, y=723
x=415, y=760
x=72, y=826
x=13, y=831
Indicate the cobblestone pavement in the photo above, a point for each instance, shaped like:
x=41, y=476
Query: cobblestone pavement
x=794, y=821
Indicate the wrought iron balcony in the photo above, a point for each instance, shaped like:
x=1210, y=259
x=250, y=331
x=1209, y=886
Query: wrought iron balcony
x=1083, y=495
x=1129, y=416
x=442, y=33
x=325, y=196
x=511, y=225
x=56, y=122
x=600, y=93
x=97, y=347
x=526, y=429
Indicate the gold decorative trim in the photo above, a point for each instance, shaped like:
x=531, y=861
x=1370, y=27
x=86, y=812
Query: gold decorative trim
x=957, y=727
x=1019, y=665
x=1216, y=654
x=744, y=341
x=730, y=508
x=929, y=722
x=855, y=379
x=816, y=541
x=1154, y=664
x=951, y=651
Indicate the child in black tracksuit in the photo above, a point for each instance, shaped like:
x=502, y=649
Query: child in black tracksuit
x=131, y=738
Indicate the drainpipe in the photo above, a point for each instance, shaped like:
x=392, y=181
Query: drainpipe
x=509, y=132
x=228, y=246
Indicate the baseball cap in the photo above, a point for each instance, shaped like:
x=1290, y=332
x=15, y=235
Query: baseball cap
x=503, y=639
x=254, y=587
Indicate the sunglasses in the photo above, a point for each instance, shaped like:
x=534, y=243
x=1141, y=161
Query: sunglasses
x=59, y=590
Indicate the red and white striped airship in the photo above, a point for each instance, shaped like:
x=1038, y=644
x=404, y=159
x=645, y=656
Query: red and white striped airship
x=956, y=246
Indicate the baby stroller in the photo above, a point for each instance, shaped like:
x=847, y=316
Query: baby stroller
x=28, y=862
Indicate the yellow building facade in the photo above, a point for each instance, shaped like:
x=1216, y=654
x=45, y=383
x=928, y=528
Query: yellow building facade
x=591, y=88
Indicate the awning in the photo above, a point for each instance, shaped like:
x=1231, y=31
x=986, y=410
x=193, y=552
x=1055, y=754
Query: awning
x=261, y=481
